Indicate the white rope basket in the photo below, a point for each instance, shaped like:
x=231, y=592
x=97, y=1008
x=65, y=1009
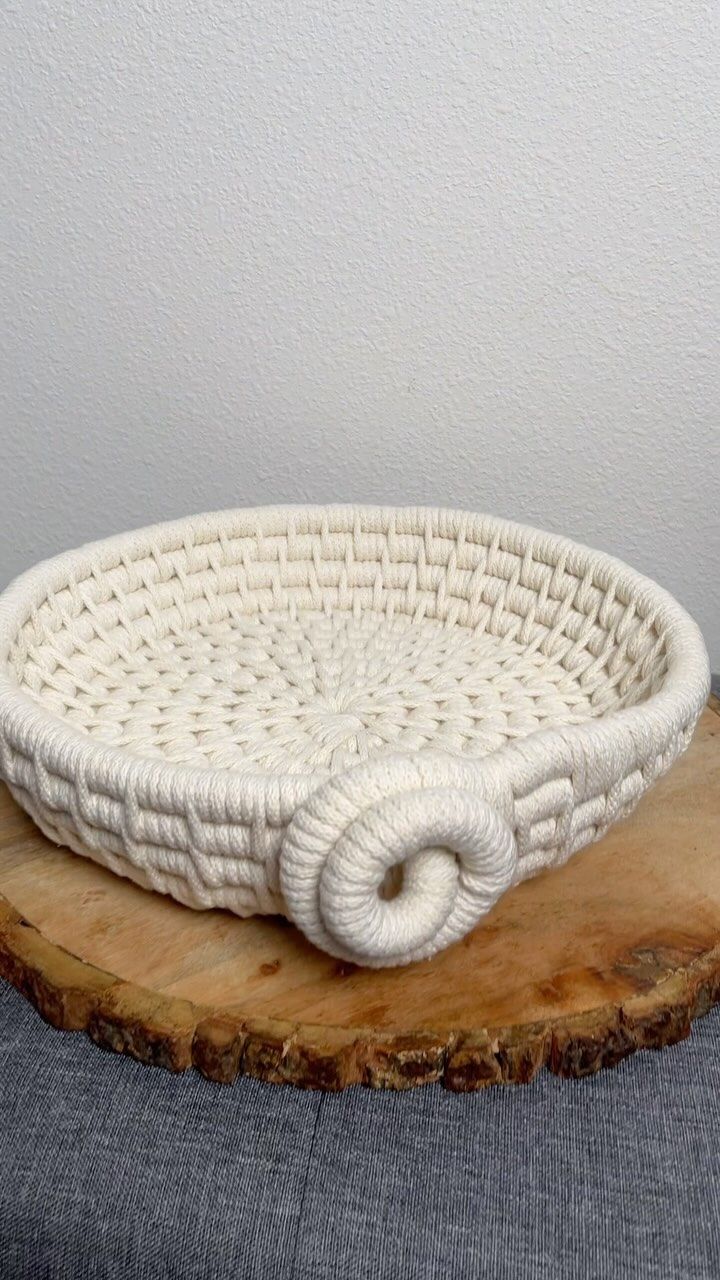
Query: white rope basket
x=372, y=721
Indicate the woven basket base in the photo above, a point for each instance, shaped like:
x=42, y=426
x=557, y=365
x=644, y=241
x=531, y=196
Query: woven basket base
x=619, y=950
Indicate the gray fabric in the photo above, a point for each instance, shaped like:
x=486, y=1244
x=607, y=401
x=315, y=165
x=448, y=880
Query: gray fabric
x=109, y=1169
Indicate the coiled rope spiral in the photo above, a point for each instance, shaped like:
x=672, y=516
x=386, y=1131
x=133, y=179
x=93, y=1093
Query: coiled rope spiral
x=457, y=855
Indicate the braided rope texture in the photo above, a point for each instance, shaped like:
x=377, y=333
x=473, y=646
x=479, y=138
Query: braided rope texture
x=371, y=720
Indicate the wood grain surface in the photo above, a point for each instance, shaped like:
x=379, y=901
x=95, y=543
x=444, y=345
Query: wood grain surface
x=616, y=951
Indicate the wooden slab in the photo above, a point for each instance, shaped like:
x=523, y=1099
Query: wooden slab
x=619, y=950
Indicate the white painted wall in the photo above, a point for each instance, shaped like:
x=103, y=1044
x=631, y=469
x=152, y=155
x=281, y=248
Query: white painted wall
x=436, y=251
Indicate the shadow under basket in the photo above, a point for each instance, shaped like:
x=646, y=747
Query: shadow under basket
x=373, y=721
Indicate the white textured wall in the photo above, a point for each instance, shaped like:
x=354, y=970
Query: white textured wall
x=365, y=249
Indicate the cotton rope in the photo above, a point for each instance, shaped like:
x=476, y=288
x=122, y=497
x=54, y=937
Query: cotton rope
x=372, y=720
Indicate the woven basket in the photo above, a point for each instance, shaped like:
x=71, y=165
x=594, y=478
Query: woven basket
x=373, y=721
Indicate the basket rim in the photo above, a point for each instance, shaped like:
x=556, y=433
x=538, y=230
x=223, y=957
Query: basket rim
x=638, y=731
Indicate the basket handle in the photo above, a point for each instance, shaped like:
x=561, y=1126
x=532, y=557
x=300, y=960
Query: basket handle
x=458, y=856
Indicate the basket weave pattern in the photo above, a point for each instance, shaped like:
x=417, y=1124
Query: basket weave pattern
x=270, y=710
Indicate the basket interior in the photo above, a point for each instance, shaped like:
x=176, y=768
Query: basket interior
x=327, y=642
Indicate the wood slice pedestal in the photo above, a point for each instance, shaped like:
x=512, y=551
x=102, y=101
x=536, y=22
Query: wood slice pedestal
x=616, y=951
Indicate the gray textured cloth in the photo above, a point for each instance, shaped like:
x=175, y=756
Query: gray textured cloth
x=109, y=1169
